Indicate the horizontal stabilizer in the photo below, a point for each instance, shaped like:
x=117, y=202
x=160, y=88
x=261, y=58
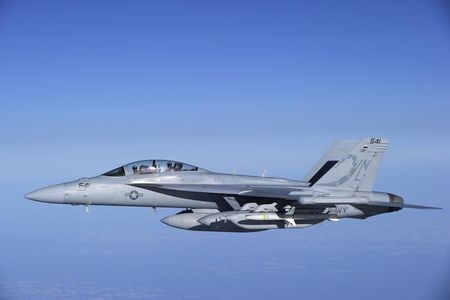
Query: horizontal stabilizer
x=401, y=205
x=357, y=201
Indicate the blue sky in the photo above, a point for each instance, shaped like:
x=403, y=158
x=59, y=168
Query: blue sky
x=239, y=86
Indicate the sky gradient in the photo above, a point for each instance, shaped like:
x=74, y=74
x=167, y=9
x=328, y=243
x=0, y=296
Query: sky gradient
x=233, y=86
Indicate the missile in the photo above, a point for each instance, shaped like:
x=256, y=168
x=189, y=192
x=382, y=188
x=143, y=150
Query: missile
x=270, y=217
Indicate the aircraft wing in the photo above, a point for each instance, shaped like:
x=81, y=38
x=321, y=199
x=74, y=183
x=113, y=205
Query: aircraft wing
x=281, y=194
x=261, y=191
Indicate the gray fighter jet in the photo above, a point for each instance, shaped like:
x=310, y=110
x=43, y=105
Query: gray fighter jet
x=338, y=186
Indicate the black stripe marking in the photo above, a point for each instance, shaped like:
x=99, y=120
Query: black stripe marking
x=325, y=168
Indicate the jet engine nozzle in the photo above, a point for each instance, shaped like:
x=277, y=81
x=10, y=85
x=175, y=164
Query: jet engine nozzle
x=395, y=199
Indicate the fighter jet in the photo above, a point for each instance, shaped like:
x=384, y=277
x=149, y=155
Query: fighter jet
x=338, y=186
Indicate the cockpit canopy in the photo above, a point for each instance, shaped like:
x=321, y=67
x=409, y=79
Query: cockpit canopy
x=154, y=166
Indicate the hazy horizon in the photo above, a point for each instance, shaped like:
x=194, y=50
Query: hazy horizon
x=242, y=87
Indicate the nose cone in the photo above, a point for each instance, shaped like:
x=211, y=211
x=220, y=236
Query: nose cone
x=50, y=194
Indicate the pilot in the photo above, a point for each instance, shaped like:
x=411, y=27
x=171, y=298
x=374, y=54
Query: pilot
x=135, y=169
x=144, y=169
x=178, y=166
x=169, y=167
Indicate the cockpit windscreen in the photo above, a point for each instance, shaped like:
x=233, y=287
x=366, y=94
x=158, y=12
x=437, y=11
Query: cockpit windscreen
x=158, y=166
x=152, y=167
x=120, y=171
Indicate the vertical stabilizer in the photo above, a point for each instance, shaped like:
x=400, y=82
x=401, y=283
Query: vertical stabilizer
x=335, y=153
x=357, y=169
